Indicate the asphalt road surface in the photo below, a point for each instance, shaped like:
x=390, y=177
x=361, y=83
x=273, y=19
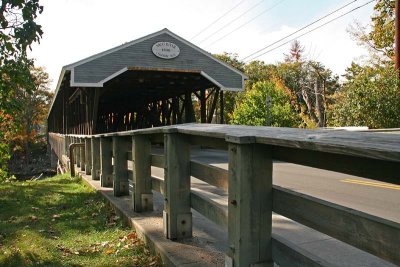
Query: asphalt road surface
x=370, y=196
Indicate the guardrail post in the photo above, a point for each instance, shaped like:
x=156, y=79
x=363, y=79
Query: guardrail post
x=121, y=146
x=95, y=144
x=67, y=142
x=106, y=176
x=250, y=203
x=141, y=156
x=88, y=156
x=82, y=154
x=78, y=154
x=177, y=215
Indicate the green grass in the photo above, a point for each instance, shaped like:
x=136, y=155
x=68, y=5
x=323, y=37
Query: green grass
x=61, y=222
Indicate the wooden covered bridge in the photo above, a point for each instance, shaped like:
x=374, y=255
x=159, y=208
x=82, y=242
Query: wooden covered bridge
x=104, y=119
x=149, y=82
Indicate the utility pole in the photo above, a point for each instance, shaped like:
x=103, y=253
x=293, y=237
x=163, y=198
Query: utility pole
x=397, y=35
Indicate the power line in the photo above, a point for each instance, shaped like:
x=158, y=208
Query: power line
x=338, y=17
x=308, y=25
x=244, y=24
x=218, y=19
x=241, y=15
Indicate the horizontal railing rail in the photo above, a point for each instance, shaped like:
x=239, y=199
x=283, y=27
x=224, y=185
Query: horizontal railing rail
x=248, y=182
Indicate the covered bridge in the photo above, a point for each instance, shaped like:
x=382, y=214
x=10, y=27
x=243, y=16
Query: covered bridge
x=148, y=82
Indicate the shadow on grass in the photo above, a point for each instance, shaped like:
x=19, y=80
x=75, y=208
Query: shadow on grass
x=29, y=259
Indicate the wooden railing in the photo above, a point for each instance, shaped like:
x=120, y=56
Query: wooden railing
x=248, y=181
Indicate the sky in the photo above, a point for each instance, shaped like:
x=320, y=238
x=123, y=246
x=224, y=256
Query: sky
x=76, y=29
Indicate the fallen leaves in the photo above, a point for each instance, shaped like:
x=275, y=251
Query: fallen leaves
x=108, y=251
x=132, y=235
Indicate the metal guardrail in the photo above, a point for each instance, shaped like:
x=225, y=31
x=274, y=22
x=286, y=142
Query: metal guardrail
x=251, y=196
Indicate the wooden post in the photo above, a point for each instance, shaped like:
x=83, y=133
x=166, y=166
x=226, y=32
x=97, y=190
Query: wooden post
x=106, y=162
x=177, y=214
x=121, y=146
x=77, y=154
x=203, y=107
x=95, y=158
x=141, y=156
x=66, y=144
x=82, y=154
x=221, y=103
x=249, y=203
x=88, y=156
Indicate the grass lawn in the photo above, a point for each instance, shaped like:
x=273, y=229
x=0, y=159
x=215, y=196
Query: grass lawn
x=60, y=221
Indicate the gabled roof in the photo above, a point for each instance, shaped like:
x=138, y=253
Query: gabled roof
x=96, y=70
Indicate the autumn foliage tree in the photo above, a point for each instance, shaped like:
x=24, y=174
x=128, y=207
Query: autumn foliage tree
x=31, y=115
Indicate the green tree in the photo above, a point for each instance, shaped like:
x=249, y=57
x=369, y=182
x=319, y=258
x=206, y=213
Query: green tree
x=371, y=99
x=379, y=40
x=252, y=110
x=18, y=30
x=258, y=71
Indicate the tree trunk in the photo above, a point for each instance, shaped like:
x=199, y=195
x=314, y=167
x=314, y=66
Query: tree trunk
x=318, y=107
x=308, y=102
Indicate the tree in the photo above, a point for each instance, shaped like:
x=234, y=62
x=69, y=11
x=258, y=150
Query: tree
x=252, y=110
x=18, y=31
x=295, y=53
x=32, y=114
x=311, y=86
x=258, y=71
x=371, y=99
x=371, y=94
x=380, y=39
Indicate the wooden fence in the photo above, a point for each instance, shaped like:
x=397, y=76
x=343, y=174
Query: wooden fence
x=251, y=195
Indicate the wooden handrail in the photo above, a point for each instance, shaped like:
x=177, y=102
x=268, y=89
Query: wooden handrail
x=371, y=155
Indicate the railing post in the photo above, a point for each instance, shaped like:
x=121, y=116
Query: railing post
x=106, y=162
x=67, y=142
x=120, y=153
x=249, y=203
x=82, y=154
x=141, y=156
x=88, y=156
x=177, y=214
x=78, y=154
x=95, y=144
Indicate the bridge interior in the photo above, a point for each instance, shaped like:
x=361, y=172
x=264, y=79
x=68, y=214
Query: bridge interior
x=138, y=98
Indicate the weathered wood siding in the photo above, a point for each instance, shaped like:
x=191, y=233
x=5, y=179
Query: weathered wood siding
x=141, y=55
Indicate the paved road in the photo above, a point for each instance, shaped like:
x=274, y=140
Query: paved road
x=373, y=197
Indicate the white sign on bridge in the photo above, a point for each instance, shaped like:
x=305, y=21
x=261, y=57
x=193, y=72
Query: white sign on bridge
x=166, y=50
